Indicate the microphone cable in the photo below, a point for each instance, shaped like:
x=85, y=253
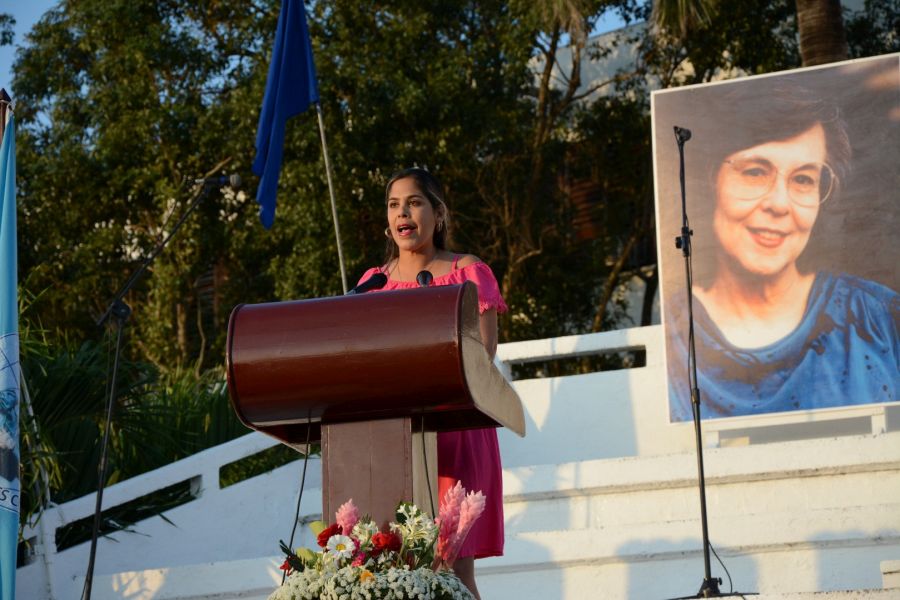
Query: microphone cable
x=300, y=495
x=424, y=279
x=425, y=461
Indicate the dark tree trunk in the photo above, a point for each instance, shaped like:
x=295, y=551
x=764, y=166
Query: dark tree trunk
x=821, y=27
x=650, y=285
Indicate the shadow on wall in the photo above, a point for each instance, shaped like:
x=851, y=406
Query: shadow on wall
x=569, y=420
x=851, y=559
x=663, y=568
x=572, y=419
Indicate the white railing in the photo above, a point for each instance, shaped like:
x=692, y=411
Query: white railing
x=576, y=420
x=211, y=521
x=201, y=470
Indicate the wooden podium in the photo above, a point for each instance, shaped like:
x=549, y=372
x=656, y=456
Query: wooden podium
x=373, y=377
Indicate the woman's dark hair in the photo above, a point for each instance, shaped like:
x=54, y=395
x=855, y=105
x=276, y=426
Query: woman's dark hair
x=768, y=111
x=725, y=119
x=432, y=189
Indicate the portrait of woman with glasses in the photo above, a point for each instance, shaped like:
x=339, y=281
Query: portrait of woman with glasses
x=774, y=330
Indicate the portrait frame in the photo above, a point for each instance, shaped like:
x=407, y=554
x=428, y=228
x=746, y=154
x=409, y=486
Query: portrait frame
x=854, y=232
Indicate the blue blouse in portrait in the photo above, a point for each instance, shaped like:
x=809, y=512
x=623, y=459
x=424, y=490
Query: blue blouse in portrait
x=845, y=351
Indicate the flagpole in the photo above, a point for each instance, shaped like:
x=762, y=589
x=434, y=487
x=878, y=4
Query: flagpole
x=334, y=215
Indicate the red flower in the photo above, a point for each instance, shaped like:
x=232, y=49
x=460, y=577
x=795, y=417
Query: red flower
x=385, y=541
x=329, y=531
x=286, y=566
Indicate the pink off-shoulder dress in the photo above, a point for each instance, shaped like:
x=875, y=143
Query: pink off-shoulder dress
x=471, y=456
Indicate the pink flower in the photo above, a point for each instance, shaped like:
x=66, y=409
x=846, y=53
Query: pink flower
x=458, y=514
x=359, y=560
x=471, y=509
x=347, y=516
x=448, y=519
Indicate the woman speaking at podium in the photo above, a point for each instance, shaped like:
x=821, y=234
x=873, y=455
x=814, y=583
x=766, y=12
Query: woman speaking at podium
x=417, y=254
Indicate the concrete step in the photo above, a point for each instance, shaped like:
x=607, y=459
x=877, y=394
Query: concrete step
x=255, y=579
x=642, y=580
x=794, y=517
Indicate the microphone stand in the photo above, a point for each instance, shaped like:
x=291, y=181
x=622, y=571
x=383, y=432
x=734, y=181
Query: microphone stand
x=120, y=311
x=424, y=279
x=710, y=586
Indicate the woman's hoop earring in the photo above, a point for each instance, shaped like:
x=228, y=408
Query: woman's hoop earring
x=387, y=232
x=440, y=226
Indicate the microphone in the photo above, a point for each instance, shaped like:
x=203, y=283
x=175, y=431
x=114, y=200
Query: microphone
x=682, y=134
x=233, y=181
x=424, y=278
x=375, y=282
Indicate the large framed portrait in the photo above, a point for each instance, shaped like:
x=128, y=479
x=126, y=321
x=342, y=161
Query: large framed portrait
x=792, y=190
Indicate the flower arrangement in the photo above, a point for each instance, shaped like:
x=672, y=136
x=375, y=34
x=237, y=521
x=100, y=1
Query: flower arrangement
x=409, y=561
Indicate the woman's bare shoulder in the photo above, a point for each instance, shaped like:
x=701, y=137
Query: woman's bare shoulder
x=467, y=259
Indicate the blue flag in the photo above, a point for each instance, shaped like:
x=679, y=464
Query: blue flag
x=290, y=89
x=9, y=367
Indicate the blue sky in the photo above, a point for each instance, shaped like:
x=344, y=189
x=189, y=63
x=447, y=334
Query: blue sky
x=26, y=13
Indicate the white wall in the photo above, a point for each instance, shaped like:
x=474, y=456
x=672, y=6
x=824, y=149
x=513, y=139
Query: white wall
x=601, y=494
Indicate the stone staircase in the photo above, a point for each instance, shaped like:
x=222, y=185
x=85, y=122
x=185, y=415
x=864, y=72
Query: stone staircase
x=601, y=502
x=798, y=520
x=795, y=517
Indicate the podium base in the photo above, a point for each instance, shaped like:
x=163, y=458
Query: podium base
x=378, y=464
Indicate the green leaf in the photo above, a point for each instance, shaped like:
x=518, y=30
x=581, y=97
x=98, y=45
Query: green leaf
x=307, y=556
x=318, y=527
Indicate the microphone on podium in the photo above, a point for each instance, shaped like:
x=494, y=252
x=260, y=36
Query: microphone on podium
x=424, y=278
x=375, y=282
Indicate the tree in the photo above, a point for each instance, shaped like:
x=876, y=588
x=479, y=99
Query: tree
x=158, y=419
x=122, y=106
x=7, y=35
x=737, y=37
x=874, y=30
x=820, y=25
x=452, y=86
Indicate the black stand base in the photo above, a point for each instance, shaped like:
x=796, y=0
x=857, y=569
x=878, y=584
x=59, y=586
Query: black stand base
x=710, y=589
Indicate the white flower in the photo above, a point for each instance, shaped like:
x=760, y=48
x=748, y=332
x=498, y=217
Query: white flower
x=364, y=530
x=417, y=527
x=341, y=546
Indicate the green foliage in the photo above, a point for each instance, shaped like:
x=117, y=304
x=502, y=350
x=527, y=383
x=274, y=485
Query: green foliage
x=681, y=17
x=124, y=516
x=118, y=102
x=121, y=105
x=874, y=30
x=736, y=37
x=7, y=34
x=157, y=418
x=259, y=463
